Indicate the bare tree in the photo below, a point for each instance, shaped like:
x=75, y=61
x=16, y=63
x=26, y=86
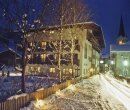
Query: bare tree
x=23, y=16
x=68, y=12
x=29, y=16
x=61, y=13
x=73, y=12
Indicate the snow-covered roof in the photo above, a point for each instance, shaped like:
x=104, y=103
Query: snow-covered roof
x=97, y=30
x=9, y=49
x=120, y=48
x=86, y=25
x=128, y=43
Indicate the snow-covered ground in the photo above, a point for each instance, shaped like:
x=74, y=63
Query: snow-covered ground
x=89, y=94
x=119, y=90
x=12, y=85
x=11, y=74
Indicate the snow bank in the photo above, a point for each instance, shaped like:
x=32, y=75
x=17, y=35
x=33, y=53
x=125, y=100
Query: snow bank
x=16, y=96
x=84, y=95
x=10, y=86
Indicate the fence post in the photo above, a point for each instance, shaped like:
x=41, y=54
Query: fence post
x=17, y=103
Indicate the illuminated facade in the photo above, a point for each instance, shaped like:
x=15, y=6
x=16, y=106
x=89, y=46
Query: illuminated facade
x=120, y=54
x=76, y=47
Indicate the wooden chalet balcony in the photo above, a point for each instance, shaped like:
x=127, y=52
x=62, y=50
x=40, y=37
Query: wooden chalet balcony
x=52, y=60
x=94, y=42
x=76, y=62
x=53, y=47
x=77, y=47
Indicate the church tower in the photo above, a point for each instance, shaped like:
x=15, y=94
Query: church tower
x=122, y=37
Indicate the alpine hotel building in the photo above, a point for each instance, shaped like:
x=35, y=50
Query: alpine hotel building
x=71, y=50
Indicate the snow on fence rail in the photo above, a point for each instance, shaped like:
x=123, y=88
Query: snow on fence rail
x=16, y=103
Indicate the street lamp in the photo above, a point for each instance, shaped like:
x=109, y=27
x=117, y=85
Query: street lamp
x=101, y=61
x=125, y=63
x=101, y=66
x=112, y=62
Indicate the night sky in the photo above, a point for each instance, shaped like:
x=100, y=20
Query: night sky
x=107, y=14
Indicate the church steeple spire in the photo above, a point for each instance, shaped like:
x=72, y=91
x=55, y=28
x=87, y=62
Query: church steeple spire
x=121, y=35
x=121, y=29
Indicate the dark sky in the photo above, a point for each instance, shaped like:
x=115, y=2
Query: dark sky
x=107, y=13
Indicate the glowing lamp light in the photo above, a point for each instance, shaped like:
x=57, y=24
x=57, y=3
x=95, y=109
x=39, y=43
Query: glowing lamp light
x=101, y=61
x=125, y=63
x=120, y=42
x=112, y=62
x=59, y=93
x=39, y=103
x=72, y=87
x=91, y=69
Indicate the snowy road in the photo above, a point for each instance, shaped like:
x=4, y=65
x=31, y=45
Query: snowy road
x=89, y=94
x=117, y=89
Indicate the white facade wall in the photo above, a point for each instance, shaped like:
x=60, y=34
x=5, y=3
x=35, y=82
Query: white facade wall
x=86, y=62
x=119, y=66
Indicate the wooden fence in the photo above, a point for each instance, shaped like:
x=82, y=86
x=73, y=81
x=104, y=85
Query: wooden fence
x=21, y=101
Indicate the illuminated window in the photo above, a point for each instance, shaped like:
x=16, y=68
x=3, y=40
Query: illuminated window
x=55, y=56
x=43, y=57
x=91, y=69
x=38, y=69
x=51, y=32
x=64, y=71
x=32, y=69
x=43, y=44
x=70, y=71
x=31, y=44
x=67, y=71
x=52, y=70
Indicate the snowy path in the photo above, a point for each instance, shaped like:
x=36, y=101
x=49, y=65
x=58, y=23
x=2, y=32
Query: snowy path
x=89, y=94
